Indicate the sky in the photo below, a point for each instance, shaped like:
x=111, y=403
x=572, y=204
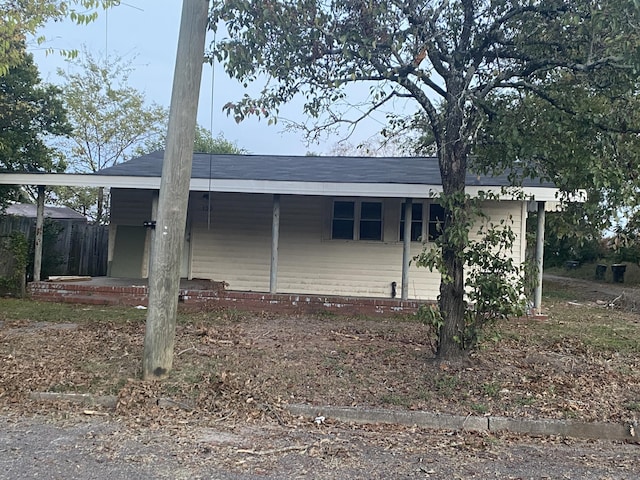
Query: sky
x=146, y=32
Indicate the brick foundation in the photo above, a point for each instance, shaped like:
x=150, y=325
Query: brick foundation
x=215, y=297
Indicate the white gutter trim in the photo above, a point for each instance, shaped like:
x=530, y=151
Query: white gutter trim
x=332, y=189
x=79, y=180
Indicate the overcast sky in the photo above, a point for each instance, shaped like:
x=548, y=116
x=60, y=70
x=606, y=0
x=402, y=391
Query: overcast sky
x=146, y=31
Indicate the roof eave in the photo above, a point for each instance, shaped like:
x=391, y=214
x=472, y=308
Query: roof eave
x=380, y=190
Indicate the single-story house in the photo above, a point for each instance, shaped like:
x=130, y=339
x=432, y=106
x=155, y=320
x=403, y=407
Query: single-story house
x=296, y=224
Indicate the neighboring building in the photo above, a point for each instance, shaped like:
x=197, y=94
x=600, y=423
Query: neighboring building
x=29, y=210
x=338, y=220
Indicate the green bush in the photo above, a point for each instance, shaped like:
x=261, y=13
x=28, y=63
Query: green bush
x=14, y=249
x=495, y=285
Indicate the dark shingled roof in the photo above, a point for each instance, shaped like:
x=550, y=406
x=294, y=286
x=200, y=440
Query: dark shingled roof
x=30, y=211
x=394, y=170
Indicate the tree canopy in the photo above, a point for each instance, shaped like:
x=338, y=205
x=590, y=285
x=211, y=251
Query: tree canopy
x=23, y=18
x=444, y=61
x=204, y=142
x=109, y=117
x=31, y=113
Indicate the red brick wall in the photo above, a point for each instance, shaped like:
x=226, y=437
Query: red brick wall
x=220, y=298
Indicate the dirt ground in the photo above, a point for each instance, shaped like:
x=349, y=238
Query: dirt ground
x=234, y=373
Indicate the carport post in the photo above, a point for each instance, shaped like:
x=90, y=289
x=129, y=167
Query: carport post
x=37, y=255
x=275, y=239
x=537, y=302
x=406, y=247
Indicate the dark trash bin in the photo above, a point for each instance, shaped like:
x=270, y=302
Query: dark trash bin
x=618, y=273
x=601, y=270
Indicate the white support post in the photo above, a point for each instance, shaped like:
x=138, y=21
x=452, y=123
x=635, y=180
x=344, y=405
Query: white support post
x=537, y=302
x=275, y=239
x=37, y=255
x=406, y=247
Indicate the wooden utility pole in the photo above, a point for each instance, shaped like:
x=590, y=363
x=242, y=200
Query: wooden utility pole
x=164, y=268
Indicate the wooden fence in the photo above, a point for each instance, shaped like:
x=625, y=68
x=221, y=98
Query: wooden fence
x=69, y=247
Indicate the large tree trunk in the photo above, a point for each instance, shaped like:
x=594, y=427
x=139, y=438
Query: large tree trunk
x=452, y=307
x=452, y=154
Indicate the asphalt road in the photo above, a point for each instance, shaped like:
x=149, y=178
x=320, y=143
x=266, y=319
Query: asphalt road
x=90, y=447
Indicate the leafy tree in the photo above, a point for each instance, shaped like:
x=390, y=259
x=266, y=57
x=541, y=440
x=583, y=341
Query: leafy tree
x=587, y=140
x=30, y=114
x=570, y=235
x=25, y=17
x=204, y=143
x=446, y=58
x=109, y=118
x=207, y=143
x=371, y=147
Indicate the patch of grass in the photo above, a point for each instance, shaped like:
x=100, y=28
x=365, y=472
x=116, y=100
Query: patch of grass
x=633, y=406
x=395, y=399
x=555, y=291
x=446, y=384
x=25, y=309
x=491, y=389
x=336, y=366
x=480, y=408
x=587, y=271
x=525, y=401
x=585, y=326
x=233, y=315
x=120, y=383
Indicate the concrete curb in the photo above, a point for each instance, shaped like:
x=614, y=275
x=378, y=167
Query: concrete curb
x=599, y=431
x=108, y=401
x=442, y=421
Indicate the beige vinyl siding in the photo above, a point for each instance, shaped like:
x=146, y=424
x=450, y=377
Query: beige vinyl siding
x=511, y=213
x=231, y=241
x=235, y=246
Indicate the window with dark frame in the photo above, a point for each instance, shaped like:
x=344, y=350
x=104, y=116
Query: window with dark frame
x=436, y=221
x=371, y=221
x=368, y=216
x=416, y=222
x=343, y=220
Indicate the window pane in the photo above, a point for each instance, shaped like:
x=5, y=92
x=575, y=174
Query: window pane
x=416, y=222
x=371, y=211
x=416, y=231
x=370, y=230
x=343, y=210
x=436, y=221
x=342, y=229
